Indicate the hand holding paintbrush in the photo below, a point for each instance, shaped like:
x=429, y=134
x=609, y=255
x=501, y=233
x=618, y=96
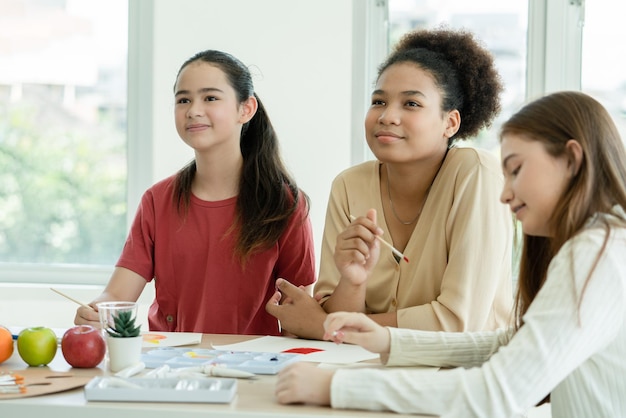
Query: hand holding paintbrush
x=388, y=245
x=87, y=316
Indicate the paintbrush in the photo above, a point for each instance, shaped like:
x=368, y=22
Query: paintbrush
x=72, y=299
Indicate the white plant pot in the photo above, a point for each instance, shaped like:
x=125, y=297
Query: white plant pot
x=123, y=352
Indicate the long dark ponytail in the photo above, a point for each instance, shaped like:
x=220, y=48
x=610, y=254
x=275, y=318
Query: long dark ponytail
x=268, y=195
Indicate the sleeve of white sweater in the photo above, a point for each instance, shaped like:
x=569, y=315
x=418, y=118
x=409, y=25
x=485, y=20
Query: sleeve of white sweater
x=444, y=349
x=558, y=335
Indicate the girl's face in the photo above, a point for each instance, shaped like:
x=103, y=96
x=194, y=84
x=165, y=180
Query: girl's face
x=207, y=113
x=534, y=181
x=405, y=122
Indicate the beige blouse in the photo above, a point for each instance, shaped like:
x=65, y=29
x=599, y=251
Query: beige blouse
x=459, y=274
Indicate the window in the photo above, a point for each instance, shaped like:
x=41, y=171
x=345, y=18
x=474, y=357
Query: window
x=603, y=70
x=500, y=25
x=63, y=174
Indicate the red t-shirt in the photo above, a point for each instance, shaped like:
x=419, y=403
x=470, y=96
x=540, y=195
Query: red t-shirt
x=199, y=284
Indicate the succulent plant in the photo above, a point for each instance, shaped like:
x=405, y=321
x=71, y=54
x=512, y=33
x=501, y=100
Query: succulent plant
x=124, y=326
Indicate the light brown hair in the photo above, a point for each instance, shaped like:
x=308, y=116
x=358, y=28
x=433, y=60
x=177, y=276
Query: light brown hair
x=599, y=184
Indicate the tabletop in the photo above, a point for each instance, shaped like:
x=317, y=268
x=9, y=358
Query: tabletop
x=255, y=397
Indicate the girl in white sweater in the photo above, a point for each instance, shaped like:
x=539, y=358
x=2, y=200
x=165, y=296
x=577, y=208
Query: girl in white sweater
x=565, y=180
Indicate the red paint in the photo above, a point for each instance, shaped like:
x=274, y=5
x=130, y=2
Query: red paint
x=303, y=350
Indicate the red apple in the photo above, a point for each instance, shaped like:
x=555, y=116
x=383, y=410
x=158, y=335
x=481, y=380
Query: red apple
x=83, y=346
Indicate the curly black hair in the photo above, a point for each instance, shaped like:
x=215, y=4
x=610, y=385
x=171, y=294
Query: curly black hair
x=463, y=70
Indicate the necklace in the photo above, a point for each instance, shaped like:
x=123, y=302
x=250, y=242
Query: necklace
x=419, y=212
x=393, y=209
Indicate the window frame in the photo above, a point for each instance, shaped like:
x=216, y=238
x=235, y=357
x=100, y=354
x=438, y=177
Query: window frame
x=370, y=28
x=554, y=59
x=139, y=145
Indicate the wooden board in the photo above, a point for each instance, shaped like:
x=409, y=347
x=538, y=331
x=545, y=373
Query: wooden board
x=42, y=381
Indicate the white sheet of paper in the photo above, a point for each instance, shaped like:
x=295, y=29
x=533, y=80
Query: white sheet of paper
x=330, y=352
x=170, y=339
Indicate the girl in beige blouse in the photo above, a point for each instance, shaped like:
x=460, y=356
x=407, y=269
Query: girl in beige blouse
x=433, y=201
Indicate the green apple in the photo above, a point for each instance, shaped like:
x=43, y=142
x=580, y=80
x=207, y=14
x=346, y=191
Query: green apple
x=37, y=345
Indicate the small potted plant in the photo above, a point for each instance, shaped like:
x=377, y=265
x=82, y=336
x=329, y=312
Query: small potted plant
x=124, y=341
x=124, y=326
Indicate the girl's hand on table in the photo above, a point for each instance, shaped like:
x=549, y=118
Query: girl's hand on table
x=299, y=313
x=304, y=383
x=357, y=328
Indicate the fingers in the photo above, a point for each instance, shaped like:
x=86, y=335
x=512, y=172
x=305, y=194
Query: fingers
x=359, y=237
x=352, y=248
x=359, y=329
x=339, y=320
x=345, y=327
x=275, y=299
x=371, y=215
x=369, y=222
x=298, y=312
x=287, y=300
x=288, y=289
x=357, y=250
x=85, y=316
x=273, y=304
x=285, y=293
x=287, y=387
x=319, y=296
x=303, y=383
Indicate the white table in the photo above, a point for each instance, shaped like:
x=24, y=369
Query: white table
x=255, y=398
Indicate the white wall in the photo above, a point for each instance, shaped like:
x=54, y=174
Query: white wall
x=301, y=55
x=29, y=305
x=307, y=63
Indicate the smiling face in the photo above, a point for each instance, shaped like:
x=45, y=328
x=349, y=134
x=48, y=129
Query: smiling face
x=534, y=182
x=207, y=113
x=405, y=121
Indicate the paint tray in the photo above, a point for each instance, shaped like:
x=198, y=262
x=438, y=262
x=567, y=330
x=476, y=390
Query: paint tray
x=134, y=389
x=247, y=361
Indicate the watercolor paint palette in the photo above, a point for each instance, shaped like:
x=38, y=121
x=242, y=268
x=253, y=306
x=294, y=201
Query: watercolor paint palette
x=247, y=361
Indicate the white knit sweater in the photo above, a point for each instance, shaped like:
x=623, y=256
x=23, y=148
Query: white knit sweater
x=574, y=350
